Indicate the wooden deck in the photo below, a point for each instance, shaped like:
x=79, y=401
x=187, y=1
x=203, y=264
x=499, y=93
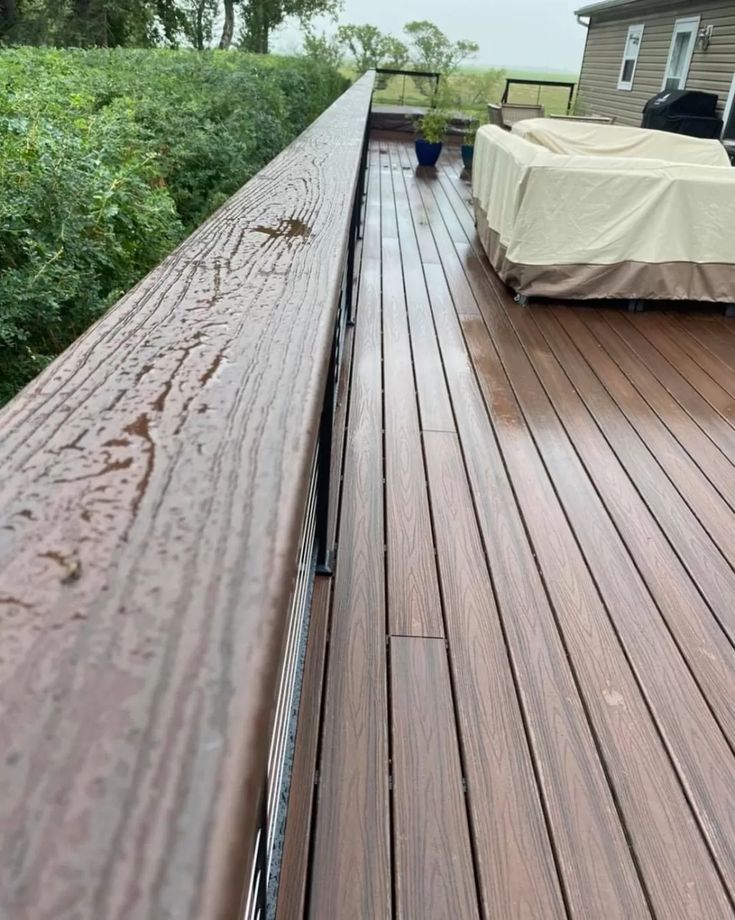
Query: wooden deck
x=526, y=704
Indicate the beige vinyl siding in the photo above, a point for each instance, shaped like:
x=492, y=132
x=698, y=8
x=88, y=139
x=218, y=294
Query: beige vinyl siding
x=711, y=70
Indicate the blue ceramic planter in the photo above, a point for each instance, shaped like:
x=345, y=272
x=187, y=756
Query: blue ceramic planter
x=467, y=152
x=426, y=153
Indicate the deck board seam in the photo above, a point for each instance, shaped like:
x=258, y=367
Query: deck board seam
x=561, y=881
x=450, y=670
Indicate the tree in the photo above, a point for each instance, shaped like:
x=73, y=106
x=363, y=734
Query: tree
x=395, y=53
x=365, y=44
x=432, y=50
x=370, y=48
x=196, y=20
x=82, y=23
x=228, y=29
x=324, y=48
x=261, y=17
x=8, y=15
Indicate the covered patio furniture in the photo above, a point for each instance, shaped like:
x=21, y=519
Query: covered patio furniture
x=599, y=211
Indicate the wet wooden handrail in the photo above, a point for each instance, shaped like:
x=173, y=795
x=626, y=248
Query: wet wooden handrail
x=152, y=490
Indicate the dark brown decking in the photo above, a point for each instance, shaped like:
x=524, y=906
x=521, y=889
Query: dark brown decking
x=529, y=693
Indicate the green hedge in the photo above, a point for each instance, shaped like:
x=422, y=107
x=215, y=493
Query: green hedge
x=109, y=158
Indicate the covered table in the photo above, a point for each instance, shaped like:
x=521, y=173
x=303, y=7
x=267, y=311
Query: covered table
x=601, y=211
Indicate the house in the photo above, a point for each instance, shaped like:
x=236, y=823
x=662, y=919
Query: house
x=636, y=48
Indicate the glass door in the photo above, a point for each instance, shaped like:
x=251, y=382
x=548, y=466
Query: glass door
x=680, y=54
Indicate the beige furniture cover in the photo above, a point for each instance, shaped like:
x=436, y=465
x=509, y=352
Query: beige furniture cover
x=600, y=211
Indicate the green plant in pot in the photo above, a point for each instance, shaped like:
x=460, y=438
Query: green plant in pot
x=432, y=126
x=468, y=141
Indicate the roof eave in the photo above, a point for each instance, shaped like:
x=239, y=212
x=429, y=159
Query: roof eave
x=602, y=6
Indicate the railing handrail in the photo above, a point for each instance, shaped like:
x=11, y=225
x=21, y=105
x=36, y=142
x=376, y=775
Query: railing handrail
x=152, y=488
x=434, y=74
x=569, y=85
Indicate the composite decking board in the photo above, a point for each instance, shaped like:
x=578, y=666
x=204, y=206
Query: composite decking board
x=704, y=759
x=699, y=410
x=591, y=636
x=646, y=785
x=708, y=569
x=714, y=338
x=697, y=491
x=371, y=241
x=441, y=238
x=351, y=871
x=700, y=640
x=699, y=635
x=706, y=455
x=414, y=606
x=702, y=356
x=703, y=379
x=517, y=875
x=434, y=873
x=615, y=822
x=593, y=851
x=435, y=410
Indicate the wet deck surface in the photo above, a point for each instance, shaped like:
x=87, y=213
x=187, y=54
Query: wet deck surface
x=528, y=703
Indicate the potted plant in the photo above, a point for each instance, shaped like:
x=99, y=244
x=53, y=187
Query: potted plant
x=432, y=126
x=468, y=141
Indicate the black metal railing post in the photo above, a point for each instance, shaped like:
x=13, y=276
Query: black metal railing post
x=324, y=464
x=261, y=858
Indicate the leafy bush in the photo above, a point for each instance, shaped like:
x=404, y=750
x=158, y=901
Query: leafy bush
x=108, y=159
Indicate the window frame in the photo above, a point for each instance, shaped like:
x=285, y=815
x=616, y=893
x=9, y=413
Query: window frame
x=683, y=24
x=639, y=28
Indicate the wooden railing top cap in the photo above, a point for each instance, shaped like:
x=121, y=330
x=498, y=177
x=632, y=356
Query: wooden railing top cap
x=151, y=495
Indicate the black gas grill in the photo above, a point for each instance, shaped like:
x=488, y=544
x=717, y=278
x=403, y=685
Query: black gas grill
x=683, y=111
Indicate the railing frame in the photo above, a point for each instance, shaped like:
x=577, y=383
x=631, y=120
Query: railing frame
x=562, y=84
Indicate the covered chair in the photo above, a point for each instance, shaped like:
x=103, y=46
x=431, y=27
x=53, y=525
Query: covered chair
x=518, y=111
x=495, y=115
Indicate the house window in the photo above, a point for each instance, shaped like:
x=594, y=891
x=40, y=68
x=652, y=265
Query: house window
x=680, y=54
x=630, y=57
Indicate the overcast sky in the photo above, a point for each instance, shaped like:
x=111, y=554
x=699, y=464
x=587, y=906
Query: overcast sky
x=536, y=34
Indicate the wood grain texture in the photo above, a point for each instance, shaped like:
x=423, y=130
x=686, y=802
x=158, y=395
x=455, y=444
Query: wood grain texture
x=704, y=501
x=712, y=462
x=701, y=376
x=414, y=607
x=153, y=488
x=701, y=413
x=698, y=632
x=599, y=874
x=646, y=785
x=685, y=334
x=517, y=875
x=434, y=406
x=694, y=740
x=351, y=864
x=434, y=875
x=590, y=638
